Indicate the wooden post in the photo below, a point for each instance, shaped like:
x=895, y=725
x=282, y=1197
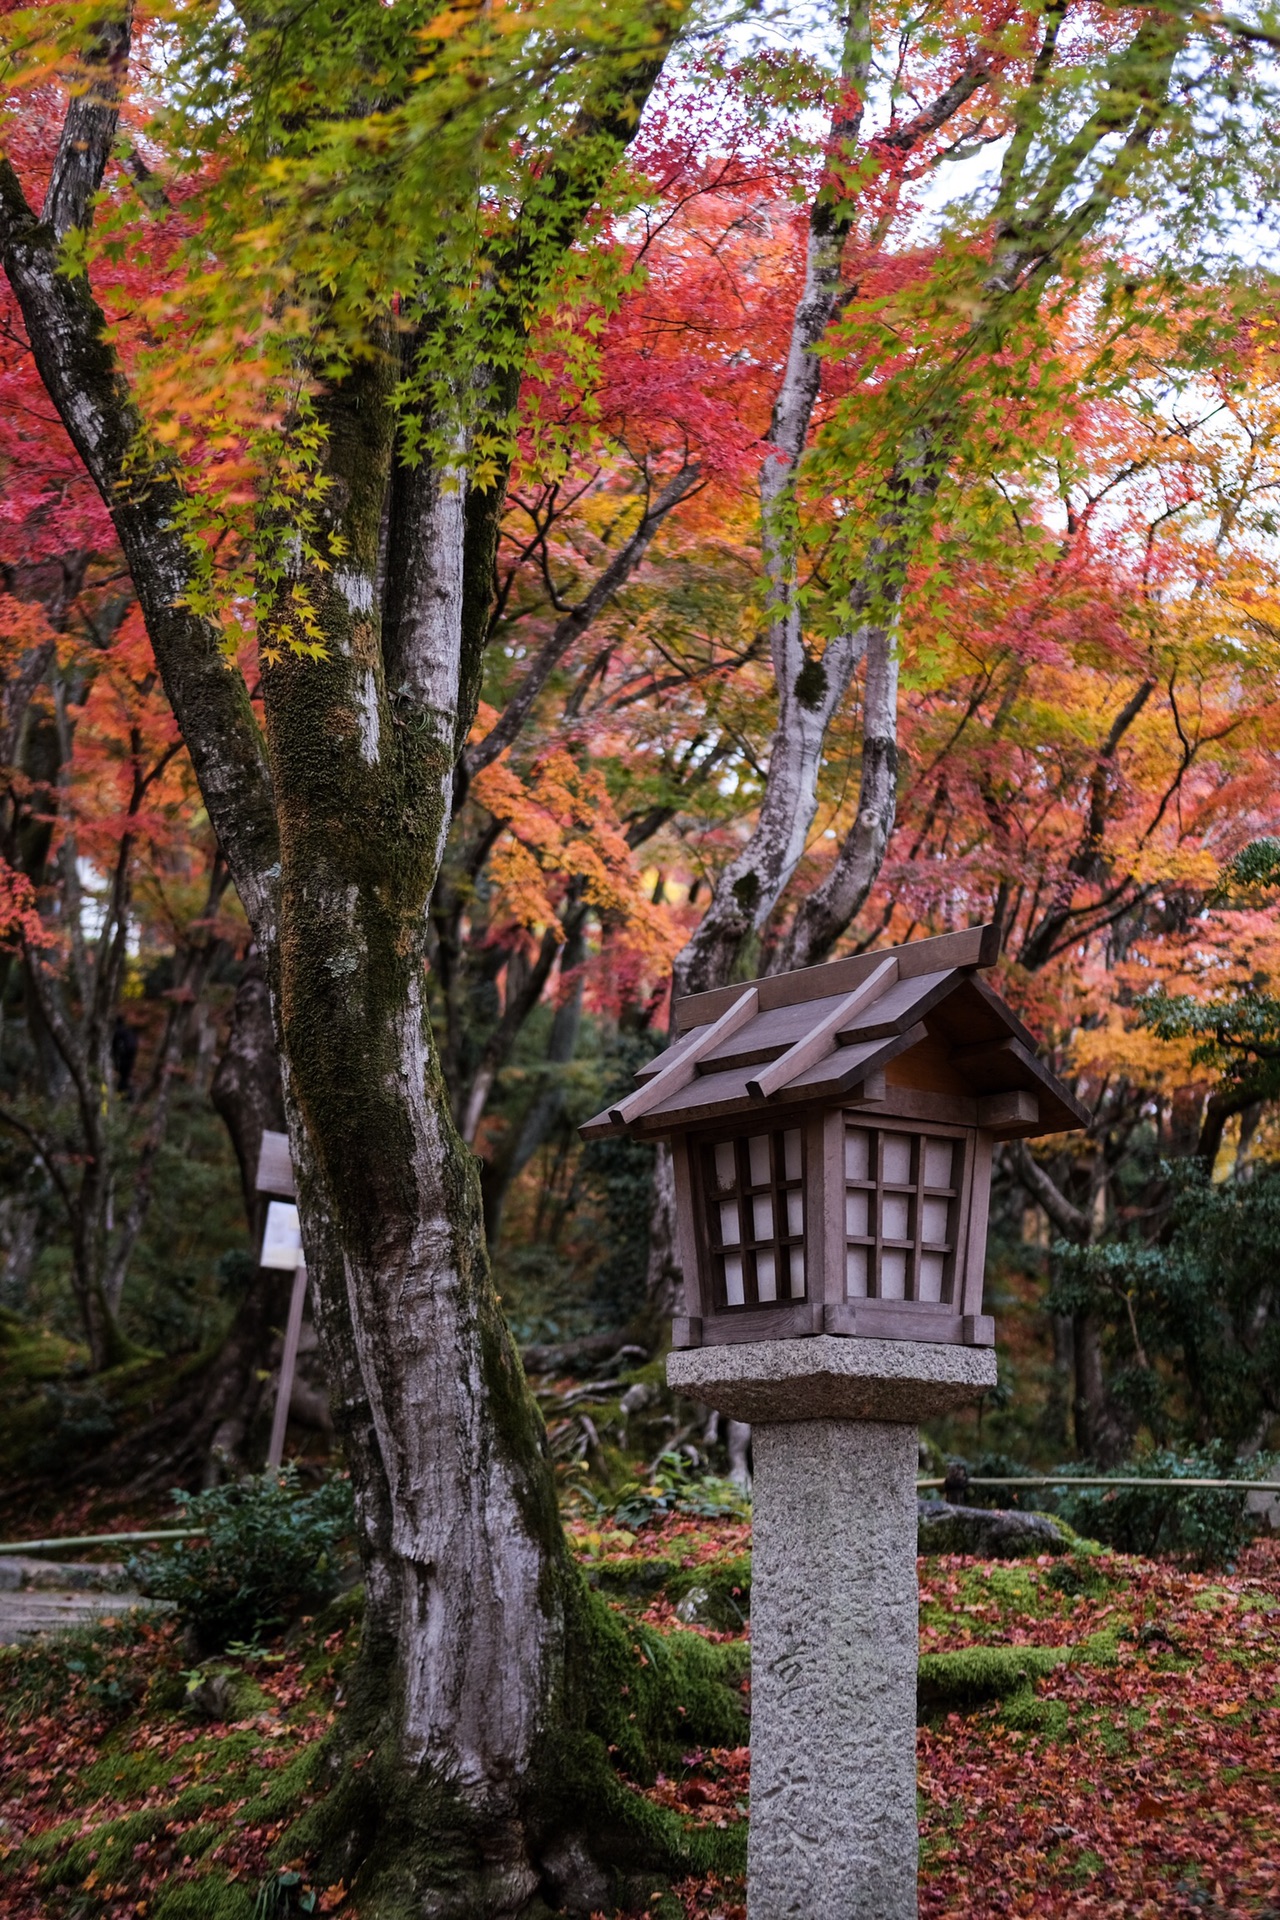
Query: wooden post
x=282, y=1248
x=288, y=1364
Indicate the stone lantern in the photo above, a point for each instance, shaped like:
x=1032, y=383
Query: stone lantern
x=832, y=1133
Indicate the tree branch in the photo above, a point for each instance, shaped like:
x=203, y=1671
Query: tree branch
x=43, y=1153
x=89, y=129
x=1069, y=1219
x=579, y=618
x=78, y=367
x=1083, y=863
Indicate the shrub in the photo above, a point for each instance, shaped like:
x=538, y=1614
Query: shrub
x=268, y=1553
x=75, y=1420
x=1204, y=1526
x=677, y=1486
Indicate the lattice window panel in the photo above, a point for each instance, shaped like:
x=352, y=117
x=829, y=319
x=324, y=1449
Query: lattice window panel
x=902, y=1195
x=755, y=1188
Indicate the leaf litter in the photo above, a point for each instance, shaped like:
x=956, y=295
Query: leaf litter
x=1138, y=1779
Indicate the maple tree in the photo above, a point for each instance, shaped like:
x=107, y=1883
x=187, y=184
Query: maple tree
x=98, y=855
x=1085, y=643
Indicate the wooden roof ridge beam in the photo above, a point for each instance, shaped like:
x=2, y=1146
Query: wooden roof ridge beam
x=824, y=1038
x=660, y=1061
x=968, y=948
x=678, y=1073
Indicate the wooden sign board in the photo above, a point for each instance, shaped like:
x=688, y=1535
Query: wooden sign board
x=282, y=1241
x=275, y=1168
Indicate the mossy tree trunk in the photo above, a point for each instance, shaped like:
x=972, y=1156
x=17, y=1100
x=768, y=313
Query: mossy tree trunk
x=475, y=1778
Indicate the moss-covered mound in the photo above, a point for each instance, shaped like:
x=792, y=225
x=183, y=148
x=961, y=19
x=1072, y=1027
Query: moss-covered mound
x=715, y=1593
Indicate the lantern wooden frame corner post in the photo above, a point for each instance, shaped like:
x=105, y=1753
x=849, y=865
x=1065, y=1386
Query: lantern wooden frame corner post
x=832, y=1133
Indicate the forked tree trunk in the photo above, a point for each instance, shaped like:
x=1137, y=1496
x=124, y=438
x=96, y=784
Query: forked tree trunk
x=472, y=1774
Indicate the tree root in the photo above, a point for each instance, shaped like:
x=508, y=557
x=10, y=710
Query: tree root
x=575, y=1836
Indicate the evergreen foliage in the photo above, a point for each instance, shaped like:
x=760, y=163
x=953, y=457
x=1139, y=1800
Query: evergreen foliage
x=269, y=1552
x=1194, y=1321
x=1206, y=1527
x=620, y=1175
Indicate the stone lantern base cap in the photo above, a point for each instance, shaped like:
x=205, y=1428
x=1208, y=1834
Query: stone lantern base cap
x=825, y=1378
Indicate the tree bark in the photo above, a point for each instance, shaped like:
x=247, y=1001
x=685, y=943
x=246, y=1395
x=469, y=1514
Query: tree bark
x=247, y=1091
x=482, y=1705
x=535, y=1125
x=824, y=914
x=1221, y=1106
x=1100, y=1432
x=1100, y=1435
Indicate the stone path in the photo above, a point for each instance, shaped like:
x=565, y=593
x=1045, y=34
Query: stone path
x=44, y=1596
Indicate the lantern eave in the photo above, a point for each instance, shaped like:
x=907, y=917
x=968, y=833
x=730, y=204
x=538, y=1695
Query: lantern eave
x=750, y=1052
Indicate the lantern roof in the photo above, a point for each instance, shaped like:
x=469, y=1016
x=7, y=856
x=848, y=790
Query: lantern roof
x=830, y=1034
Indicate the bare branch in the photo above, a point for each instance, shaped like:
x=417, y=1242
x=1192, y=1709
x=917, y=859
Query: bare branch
x=43, y=1153
x=579, y=618
x=1069, y=1219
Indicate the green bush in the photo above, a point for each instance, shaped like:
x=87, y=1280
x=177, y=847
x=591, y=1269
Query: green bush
x=1204, y=1526
x=1192, y=1323
x=678, y=1486
x=268, y=1552
x=74, y=1421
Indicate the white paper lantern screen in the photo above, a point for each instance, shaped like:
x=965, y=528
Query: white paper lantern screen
x=901, y=1191
x=901, y=1203
x=757, y=1216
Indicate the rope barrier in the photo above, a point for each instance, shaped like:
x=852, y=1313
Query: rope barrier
x=1107, y=1480
x=97, y=1540
x=1022, y=1480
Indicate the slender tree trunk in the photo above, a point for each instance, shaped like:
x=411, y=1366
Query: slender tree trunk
x=663, y=1280
x=539, y=1119
x=247, y=1091
x=196, y=966
x=1100, y=1435
x=824, y=914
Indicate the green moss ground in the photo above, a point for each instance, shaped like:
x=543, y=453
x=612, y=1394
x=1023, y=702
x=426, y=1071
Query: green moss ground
x=1084, y=1688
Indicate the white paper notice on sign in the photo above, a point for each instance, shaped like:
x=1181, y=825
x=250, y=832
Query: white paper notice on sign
x=282, y=1241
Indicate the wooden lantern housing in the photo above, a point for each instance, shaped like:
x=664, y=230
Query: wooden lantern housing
x=832, y=1132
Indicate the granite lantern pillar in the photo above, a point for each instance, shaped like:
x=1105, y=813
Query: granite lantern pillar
x=832, y=1132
